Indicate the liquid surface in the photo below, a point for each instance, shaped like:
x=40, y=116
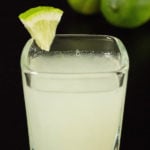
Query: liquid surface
x=75, y=63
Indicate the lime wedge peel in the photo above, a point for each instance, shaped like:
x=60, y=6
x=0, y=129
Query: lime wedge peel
x=41, y=22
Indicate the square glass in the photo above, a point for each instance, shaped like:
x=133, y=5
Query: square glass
x=75, y=93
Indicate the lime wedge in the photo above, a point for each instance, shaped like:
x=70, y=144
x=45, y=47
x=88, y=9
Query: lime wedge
x=41, y=22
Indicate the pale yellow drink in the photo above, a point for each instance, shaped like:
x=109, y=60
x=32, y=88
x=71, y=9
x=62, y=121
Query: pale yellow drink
x=74, y=102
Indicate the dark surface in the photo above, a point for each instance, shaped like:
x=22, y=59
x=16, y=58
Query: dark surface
x=136, y=132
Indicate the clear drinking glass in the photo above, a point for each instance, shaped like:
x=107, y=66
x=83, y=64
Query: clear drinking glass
x=75, y=93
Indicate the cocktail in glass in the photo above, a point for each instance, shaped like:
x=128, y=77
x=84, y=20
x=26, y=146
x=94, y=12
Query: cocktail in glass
x=75, y=93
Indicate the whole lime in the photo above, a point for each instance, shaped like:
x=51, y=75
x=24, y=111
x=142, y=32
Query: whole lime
x=86, y=7
x=126, y=13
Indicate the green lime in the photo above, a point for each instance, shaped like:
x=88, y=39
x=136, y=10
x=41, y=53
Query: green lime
x=41, y=22
x=126, y=13
x=86, y=7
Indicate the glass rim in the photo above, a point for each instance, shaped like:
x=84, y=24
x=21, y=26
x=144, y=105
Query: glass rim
x=123, y=68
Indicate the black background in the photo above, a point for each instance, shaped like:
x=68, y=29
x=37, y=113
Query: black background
x=136, y=132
